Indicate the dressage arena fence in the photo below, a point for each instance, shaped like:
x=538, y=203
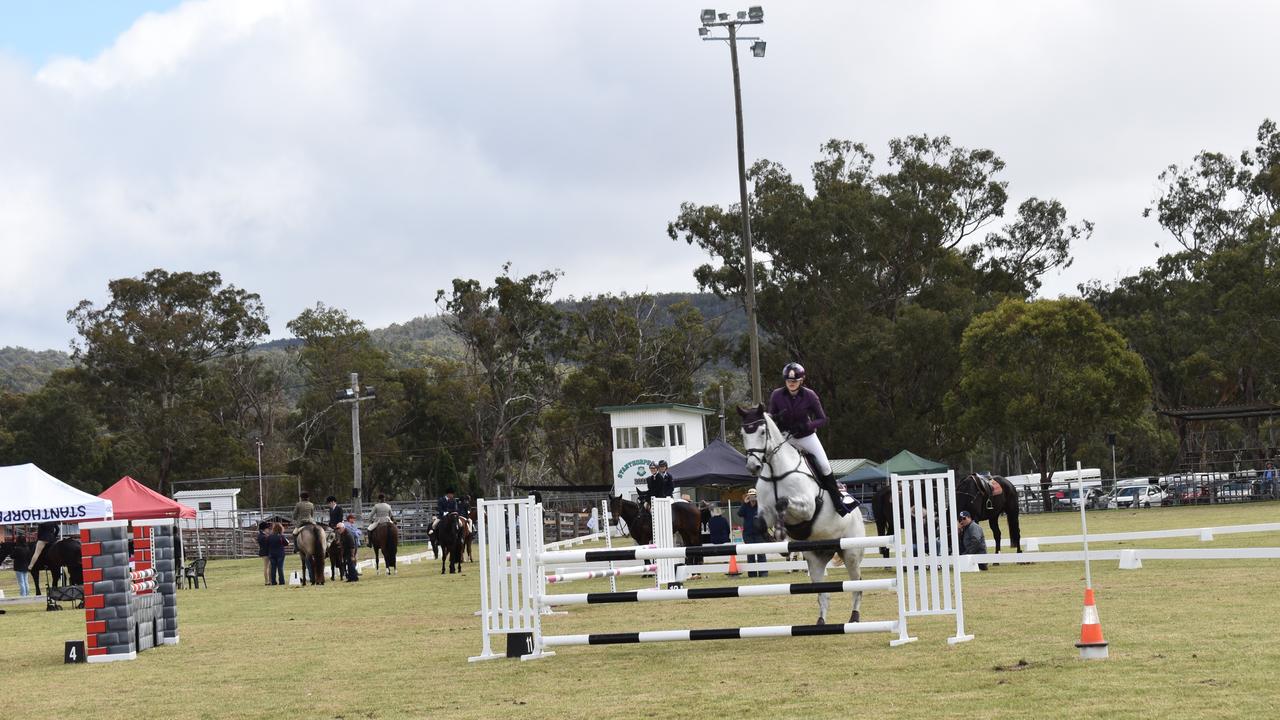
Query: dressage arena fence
x=513, y=581
x=129, y=599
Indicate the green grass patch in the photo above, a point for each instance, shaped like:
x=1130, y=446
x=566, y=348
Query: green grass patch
x=1188, y=639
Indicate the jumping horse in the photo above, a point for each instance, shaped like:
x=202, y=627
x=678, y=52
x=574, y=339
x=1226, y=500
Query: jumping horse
x=987, y=499
x=790, y=498
x=686, y=522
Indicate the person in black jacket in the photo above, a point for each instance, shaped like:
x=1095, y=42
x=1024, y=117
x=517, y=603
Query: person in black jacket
x=21, y=554
x=348, y=543
x=335, y=511
x=264, y=528
x=661, y=484
x=276, y=544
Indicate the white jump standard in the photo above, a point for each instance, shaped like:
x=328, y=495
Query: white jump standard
x=513, y=580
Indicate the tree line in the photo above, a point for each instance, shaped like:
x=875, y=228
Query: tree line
x=908, y=288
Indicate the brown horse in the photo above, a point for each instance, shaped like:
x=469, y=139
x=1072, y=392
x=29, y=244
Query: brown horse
x=384, y=540
x=686, y=521
x=312, y=545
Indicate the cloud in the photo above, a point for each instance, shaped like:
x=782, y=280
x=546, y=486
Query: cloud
x=364, y=155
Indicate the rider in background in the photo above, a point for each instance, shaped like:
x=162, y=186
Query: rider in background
x=661, y=484
x=448, y=504
x=304, y=513
x=46, y=534
x=381, y=512
x=798, y=412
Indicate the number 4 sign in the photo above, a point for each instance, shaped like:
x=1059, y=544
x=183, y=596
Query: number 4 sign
x=74, y=652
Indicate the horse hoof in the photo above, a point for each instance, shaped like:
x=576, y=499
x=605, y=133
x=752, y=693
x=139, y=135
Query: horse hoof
x=855, y=617
x=821, y=621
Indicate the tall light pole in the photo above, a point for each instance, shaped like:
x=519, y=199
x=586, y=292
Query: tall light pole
x=753, y=16
x=261, y=507
x=353, y=396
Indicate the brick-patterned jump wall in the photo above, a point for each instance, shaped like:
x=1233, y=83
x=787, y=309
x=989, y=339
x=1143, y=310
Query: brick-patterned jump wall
x=164, y=562
x=109, y=626
x=130, y=599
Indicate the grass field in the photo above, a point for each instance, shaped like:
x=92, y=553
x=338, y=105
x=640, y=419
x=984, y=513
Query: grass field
x=1188, y=639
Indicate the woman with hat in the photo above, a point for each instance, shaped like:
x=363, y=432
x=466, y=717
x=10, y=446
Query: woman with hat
x=749, y=511
x=798, y=412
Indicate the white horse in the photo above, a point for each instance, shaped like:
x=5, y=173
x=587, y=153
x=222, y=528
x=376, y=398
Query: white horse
x=789, y=495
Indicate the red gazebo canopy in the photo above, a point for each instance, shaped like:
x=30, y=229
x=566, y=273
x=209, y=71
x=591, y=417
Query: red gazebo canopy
x=134, y=501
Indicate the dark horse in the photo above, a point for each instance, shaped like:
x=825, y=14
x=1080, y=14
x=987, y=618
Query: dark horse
x=56, y=556
x=384, y=540
x=451, y=534
x=337, y=565
x=976, y=494
x=686, y=521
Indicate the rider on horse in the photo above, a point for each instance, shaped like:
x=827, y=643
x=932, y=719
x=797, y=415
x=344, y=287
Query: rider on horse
x=46, y=534
x=303, y=514
x=798, y=412
x=381, y=513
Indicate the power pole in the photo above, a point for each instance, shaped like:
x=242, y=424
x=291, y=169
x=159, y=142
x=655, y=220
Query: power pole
x=353, y=396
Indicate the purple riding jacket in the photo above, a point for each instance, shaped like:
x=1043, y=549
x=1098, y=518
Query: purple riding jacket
x=800, y=414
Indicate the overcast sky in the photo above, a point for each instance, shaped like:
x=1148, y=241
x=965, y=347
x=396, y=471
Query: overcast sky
x=363, y=154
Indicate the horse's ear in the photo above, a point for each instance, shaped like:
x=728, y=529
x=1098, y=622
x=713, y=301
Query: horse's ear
x=760, y=408
x=743, y=410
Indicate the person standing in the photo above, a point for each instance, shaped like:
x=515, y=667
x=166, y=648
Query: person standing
x=1269, y=479
x=335, y=511
x=749, y=511
x=971, y=540
x=718, y=526
x=348, y=544
x=21, y=555
x=661, y=483
x=355, y=531
x=276, y=546
x=264, y=531
x=797, y=411
x=642, y=496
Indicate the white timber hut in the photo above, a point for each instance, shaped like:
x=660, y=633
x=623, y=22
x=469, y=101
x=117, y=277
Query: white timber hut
x=214, y=508
x=651, y=432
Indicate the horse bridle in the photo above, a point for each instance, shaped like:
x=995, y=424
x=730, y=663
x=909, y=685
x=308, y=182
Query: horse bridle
x=799, y=530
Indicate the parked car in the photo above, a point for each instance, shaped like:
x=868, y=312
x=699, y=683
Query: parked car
x=1235, y=492
x=1189, y=494
x=1139, y=496
x=1070, y=499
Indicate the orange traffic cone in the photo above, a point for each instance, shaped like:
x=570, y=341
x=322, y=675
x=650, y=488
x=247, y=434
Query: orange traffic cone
x=733, y=566
x=1092, y=646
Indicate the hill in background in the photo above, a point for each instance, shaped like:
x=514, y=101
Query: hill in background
x=408, y=343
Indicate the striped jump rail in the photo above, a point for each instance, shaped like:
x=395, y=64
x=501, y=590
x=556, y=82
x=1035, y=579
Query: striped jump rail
x=704, y=551
x=742, y=633
x=715, y=593
x=592, y=574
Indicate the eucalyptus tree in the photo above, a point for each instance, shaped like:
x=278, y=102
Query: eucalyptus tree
x=147, y=355
x=870, y=279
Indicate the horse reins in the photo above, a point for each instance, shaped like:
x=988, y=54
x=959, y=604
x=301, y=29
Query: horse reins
x=799, y=530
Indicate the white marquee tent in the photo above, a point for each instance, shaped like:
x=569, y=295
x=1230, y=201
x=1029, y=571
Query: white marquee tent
x=31, y=495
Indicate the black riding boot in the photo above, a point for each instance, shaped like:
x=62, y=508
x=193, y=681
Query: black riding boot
x=839, y=500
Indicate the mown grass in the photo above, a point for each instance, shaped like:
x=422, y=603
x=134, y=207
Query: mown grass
x=1191, y=639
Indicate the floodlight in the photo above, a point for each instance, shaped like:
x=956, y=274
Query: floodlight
x=344, y=394
x=724, y=17
x=708, y=16
x=756, y=13
x=757, y=48
x=742, y=14
x=704, y=31
x=368, y=391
